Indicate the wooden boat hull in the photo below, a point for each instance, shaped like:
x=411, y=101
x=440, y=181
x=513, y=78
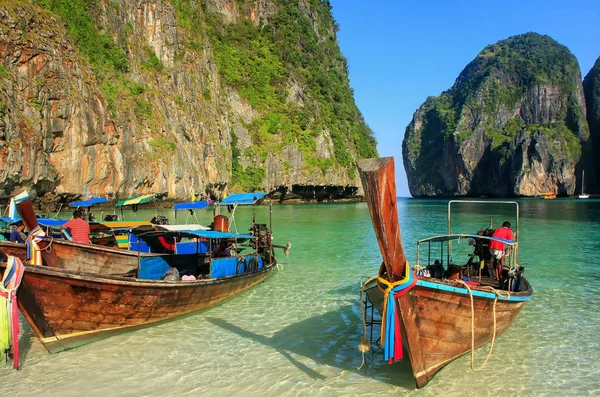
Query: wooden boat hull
x=67, y=309
x=88, y=258
x=436, y=322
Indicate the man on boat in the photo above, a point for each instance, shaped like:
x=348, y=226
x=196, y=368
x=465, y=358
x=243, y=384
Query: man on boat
x=16, y=234
x=497, y=248
x=80, y=229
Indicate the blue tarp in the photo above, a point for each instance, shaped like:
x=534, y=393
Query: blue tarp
x=242, y=198
x=136, y=244
x=153, y=268
x=88, y=203
x=191, y=247
x=223, y=267
x=192, y=205
x=48, y=222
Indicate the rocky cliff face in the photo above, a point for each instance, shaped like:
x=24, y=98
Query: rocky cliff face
x=591, y=87
x=513, y=124
x=127, y=97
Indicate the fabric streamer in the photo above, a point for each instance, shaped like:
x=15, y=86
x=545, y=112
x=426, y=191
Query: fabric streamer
x=34, y=254
x=391, y=336
x=9, y=312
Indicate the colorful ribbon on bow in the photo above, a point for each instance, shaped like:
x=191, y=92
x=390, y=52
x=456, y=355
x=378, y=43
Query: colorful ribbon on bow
x=9, y=312
x=34, y=254
x=391, y=337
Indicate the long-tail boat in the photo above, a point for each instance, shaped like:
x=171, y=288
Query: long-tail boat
x=435, y=317
x=69, y=304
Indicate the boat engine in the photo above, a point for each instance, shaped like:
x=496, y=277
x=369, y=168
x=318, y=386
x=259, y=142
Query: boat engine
x=160, y=220
x=263, y=236
x=514, y=276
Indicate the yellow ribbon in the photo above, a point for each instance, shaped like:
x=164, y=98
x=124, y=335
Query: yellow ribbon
x=386, y=293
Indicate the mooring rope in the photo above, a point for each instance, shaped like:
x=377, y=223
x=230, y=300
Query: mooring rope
x=497, y=293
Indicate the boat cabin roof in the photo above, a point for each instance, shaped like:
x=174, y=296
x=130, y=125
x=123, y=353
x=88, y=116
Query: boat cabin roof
x=452, y=237
x=242, y=198
x=176, y=228
x=89, y=203
x=191, y=205
x=145, y=198
x=47, y=222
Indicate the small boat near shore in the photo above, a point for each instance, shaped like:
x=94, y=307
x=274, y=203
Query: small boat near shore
x=435, y=316
x=80, y=293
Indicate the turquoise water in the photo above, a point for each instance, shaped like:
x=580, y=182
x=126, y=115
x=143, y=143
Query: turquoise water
x=297, y=333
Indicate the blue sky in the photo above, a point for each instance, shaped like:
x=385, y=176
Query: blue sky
x=400, y=52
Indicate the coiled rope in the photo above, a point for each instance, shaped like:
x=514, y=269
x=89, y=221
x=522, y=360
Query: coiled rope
x=497, y=293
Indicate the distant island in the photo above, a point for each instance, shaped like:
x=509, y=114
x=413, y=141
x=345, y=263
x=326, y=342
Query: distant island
x=513, y=124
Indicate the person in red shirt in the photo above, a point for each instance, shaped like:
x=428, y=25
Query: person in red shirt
x=497, y=248
x=79, y=228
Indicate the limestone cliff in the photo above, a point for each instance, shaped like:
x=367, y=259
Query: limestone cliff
x=591, y=88
x=513, y=124
x=125, y=97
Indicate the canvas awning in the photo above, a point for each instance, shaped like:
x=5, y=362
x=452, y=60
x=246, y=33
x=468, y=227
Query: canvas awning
x=47, y=222
x=191, y=205
x=242, y=198
x=89, y=203
x=146, y=198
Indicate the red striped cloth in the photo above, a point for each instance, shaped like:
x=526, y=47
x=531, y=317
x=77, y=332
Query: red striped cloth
x=80, y=230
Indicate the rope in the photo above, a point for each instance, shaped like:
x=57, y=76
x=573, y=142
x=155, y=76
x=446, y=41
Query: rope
x=365, y=344
x=497, y=293
x=49, y=246
x=55, y=216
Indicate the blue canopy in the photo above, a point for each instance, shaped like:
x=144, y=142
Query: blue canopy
x=193, y=233
x=89, y=203
x=48, y=222
x=242, y=198
x=192, y=205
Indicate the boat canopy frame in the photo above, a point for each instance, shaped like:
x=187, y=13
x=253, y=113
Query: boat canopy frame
x=232, y=201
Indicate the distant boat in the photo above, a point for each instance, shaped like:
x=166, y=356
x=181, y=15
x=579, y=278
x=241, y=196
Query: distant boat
x=547, y=196
x=583, y=195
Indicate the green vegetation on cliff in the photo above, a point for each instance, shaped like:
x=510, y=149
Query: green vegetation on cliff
x=261, y=61
x=99, y=48
x=288, y=67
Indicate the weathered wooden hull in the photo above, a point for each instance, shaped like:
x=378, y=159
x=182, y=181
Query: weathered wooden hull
x=436, y=323
x=88, y=258
x=67, y=309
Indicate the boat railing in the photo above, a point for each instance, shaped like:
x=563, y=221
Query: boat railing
x=473, y=260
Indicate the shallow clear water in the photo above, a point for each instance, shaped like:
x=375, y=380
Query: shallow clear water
x=297, y=333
